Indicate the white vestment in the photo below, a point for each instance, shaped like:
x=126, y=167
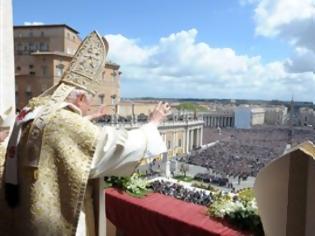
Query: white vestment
x=109, y=160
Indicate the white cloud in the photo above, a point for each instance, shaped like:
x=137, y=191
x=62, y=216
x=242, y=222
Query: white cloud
x=292, y=21
x=303, y=60
x=126, y=50
x=274, y=16
x=33, y=23
x=179, y=66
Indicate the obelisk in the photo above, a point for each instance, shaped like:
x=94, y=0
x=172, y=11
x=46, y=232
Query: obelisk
x=7, y=80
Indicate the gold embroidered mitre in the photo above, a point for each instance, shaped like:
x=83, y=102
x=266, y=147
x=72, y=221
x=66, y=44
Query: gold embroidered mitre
x=87, y=64
x=84, y=70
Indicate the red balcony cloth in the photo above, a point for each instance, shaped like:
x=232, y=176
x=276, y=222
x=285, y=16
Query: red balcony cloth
x=160, y=215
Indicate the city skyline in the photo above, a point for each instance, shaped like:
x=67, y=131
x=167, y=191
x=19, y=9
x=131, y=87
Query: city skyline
x=246, y=49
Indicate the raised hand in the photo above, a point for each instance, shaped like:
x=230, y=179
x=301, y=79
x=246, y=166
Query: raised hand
x=160, y=112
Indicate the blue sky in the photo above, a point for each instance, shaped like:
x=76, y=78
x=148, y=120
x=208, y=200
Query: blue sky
x=252, y=37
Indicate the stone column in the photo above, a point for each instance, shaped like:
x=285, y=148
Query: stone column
x=201, y=136
x=187, y=140
x=191, y=139
x=197, y=137
x=174, y=143
x=167, y=166
x=7, y=79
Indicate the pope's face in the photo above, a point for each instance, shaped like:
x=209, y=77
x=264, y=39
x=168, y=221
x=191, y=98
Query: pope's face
x=83, y=103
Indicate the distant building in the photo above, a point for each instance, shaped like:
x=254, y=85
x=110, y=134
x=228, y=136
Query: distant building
x=42, y=54
x=242, y=117
x=136, y=107
x=275, y=115
x=306, y=117
x=180, y=137
x=246, y=116
x=215, y=119
x=257, y=116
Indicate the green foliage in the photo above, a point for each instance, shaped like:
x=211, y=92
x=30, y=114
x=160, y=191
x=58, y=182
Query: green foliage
x=133, y=185
x=246, y=219
x=239, y=210
x=246, y=195
x=189, y=106
x=183, y=178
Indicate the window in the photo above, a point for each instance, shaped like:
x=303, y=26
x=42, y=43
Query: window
x=43, y=46
x=19, y=47
x=179, y=142
x=36, y=46
x=28, y=95
x=28, y=92
x=59, y=70
x=68, y=35
x=113, y=99
x=113, y=74
x=31, y=34
x=32, y=72
x=31, y=66
x=42, y=34
x=28, y=88
x=18, y=68
x=168, y=144
x=32, y=47
x=101, y=96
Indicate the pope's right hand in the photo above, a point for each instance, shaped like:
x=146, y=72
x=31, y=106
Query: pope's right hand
x=159, y=113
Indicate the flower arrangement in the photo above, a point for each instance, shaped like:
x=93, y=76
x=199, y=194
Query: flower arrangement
x=238, y=209
x=133, y=185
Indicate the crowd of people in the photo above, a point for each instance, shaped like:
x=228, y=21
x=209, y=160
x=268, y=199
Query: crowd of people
x=180, y=192
x=216, y=180
x=243, y=152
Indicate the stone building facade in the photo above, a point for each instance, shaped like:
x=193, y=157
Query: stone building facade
x=215, y=119
x=42, y=54
x=275, y=115
x=180, y=137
